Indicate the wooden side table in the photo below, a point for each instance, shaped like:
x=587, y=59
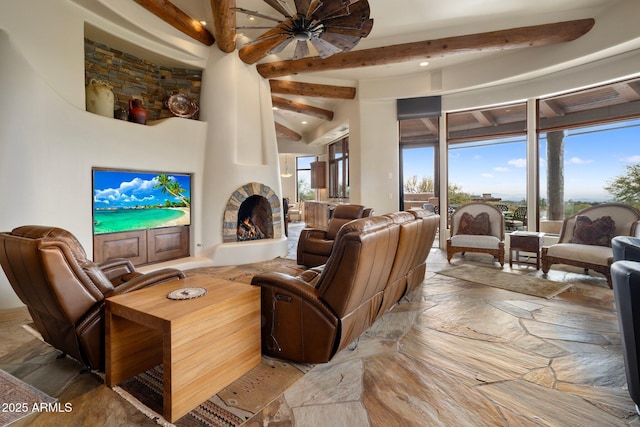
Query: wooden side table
x=204, y=343
x=525, y=241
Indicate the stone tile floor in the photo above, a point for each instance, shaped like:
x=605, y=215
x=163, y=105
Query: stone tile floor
x=453, y=354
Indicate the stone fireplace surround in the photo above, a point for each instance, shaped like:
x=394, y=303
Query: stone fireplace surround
x=230, y=221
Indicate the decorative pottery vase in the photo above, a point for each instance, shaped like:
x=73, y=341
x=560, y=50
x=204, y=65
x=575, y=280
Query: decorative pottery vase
x=137, y=113
x=99, y=98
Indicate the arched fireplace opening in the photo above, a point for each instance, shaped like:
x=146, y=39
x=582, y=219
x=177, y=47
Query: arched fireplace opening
x=255, y=219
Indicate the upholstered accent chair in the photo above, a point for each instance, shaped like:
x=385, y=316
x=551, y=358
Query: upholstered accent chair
x=477, y=227
x=315, y=245
x=64, y=291
x=585, y=238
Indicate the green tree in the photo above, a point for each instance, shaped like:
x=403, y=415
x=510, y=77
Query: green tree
x=412, y=185
x=171, y=186
x=457, y=196
x=305, y=192
x=626, y=188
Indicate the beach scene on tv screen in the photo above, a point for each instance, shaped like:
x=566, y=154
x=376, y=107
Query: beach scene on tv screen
x=126, y=200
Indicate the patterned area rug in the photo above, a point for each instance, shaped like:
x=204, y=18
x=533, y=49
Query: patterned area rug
x=229, y=408
x=18, y=399
x=511, y=282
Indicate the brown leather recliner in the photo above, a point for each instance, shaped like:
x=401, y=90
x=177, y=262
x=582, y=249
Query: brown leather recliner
x=64, y=291
x=309, y=318
x=417, y=232
x=315, y=245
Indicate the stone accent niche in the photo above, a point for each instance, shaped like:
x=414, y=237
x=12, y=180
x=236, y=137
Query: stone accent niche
x=273, y=207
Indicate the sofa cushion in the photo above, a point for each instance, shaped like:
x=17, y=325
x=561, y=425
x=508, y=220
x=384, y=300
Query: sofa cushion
x=478, y=225
x=475, y=241
x=591, y=254
x=598, y=232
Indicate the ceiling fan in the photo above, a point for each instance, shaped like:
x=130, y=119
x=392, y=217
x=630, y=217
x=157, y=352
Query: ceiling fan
x=330, y=26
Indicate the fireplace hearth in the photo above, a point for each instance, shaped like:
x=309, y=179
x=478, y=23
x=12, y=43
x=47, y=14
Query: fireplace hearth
x=253, y=212
x=254, y=219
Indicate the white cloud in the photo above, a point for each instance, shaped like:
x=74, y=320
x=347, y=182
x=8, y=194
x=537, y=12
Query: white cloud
x=501, y=169
x=578, y=161
x=519, y=163
x=487, y=175
x=631, y=159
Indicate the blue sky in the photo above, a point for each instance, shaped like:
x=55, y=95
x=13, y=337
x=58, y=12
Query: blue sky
x=113, y=189
x=593, y=156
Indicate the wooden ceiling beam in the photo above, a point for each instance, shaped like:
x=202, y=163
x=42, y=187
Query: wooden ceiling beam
x=285, y=132
x=170, y=14
x=287, y=87
x=298, y=107
x=224, y=22
x=538, y=35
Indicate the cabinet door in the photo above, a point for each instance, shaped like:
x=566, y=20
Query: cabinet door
x=319, y=175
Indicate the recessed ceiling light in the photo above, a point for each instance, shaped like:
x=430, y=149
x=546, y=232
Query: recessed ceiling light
x=204, y=23
x=304, y=122
x=424, y=63
x=252, y=18
x=275, y=108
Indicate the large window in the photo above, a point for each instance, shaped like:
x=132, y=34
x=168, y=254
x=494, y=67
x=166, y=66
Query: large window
x=488, y=156
x=303, y=178
x=588, y=145
x=339, y=169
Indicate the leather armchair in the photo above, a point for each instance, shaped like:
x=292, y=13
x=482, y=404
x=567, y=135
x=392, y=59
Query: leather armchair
x=315, y=245
x=625, y=275
x=64, y=291
x=308, y=318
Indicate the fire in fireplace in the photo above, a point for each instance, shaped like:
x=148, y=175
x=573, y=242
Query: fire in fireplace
x=254, y=219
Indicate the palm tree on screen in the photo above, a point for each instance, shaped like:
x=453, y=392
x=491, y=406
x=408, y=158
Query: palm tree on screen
x=170, y=185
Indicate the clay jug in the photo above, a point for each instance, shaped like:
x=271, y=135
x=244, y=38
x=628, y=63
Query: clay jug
x=137, y=113
x=99, y=98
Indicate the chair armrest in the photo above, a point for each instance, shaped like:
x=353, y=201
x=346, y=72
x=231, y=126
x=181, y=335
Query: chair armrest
x=115, y=268
x=294, y=285
x=315, y=233
x=143, y=280
x=296, y=324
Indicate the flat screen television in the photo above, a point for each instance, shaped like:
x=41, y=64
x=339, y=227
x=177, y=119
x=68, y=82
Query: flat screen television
x=126, y=200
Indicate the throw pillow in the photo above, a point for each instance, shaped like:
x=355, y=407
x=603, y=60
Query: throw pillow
x=598, y=232
x=479, y=225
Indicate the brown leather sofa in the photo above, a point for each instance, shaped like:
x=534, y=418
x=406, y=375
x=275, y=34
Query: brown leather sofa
x=64, y=291
x=310, y=317
x=315, y=245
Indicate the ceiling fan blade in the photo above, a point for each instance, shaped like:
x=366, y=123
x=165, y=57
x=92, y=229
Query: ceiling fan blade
x=302, y=49
x=342, y=41
x=278, y=6
x=335, y=8
x=278, y=48
x=302, y=6
x=313, y=7
x=258, y=49
x=356, y=32
x=256, y=14
x=358, y=13
x=325, y=49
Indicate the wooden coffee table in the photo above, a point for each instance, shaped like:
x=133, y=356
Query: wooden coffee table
x=203, y=344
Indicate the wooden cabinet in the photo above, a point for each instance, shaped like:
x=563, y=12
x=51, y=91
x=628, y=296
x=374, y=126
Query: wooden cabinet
x=319, y=175
x=316, y=214
x=143, y=246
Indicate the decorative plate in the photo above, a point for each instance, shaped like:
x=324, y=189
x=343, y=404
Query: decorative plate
x=182, y=106
x=187, y=293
